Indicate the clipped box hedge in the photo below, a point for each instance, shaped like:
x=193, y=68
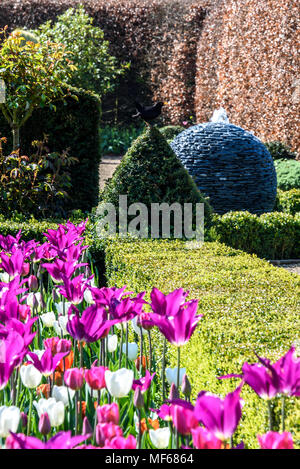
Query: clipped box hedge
x=247, y=304
x=288, y=201
x=272, y=235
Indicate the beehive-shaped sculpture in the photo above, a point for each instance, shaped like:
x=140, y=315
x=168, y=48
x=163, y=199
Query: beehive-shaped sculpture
x=229, y=165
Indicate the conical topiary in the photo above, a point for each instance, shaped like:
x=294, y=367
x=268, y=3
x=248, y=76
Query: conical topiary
x=150, y=172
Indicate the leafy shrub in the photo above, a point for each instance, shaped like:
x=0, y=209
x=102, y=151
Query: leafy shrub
x=35, y=185
x=280, y=151
x=170, y=131
x=95, y=69
x=117, y=140
x=74, y=125
x=248, y=305
x=150, y=172
x=288, y=201
x=272, y=235
x=288, y=174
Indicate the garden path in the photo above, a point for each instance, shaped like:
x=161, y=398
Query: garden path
x=107, y=167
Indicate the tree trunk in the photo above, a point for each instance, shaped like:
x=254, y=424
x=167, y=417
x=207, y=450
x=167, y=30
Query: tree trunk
x=16, y=137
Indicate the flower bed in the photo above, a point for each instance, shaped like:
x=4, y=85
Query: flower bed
x=247, y=305
x=71, y=374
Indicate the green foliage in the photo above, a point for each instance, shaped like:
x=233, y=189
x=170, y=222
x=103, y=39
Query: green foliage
x=26, y=36
x=34, y=74
x=150, y=172
x=35, y=185
x=96, y=69
x=117, y=140
x=247, y=304
x=288, y=201
x=279, y=151
x=288, y=174
x=170, y=131
x=272, y=235
x=74, y=126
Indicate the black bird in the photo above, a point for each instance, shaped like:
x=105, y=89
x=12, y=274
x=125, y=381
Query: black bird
x=148, y=113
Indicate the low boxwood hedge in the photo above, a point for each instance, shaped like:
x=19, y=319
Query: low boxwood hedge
x=247, y=304
x=272, y=235
x=288, y=201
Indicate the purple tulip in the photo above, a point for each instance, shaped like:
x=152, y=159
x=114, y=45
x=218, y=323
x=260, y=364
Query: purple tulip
x=203, y=439
x=104, y=296
x=91, y=326
x=62, y=440
x=60, y=269
x=13, y=264
x=12, y=352
x=219, y=416
x=47, y=364
x=288, y=369
x=8, y=242
x=264, y=381
x=44, y=424
x=127, y=308
x=143, y=383
x=167, y=305
x=73, y=289
x=74, y=378
x=178, y=328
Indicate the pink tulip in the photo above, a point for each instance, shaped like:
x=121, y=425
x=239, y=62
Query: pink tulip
x=95, y=377
x=74, y=378
x=120, y=442
x=108, y=413
x=106, y=432
x=203, y=439
x=274, y=440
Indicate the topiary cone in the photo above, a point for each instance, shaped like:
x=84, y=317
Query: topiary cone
x=150, y=172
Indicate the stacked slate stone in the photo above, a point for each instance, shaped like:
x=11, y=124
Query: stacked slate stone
x=229, y=165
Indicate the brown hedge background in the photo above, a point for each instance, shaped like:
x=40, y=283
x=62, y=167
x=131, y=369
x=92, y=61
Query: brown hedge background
x=197, y=55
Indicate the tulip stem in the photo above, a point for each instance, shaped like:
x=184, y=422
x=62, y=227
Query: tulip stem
x=121, y=346
x=140, y=429
x=29, y=413
x=283, y=413
x=76, y=411
x=178, y=368
x=163, y=370
x=270, y=413
x=126, y=359
x=18, y=388
x=141, y=351
x=150, y=351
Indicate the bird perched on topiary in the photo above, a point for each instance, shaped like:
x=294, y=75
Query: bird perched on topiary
x=148, y=113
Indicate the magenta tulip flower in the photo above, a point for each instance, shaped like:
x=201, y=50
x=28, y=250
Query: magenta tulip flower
x=62, y=440
x=220, y=416
x=95, y=377
x=74, y=378
x=47, y=364
x=126, y=308
x=288, y=369
x=23, y=329
x=104, y=296
x=119, y=442
x=179, y=328
x=108, y=413
x=8, y=242
x=203, y=439
x=13, y=264
x=91, y=326
x=143, y=383
x=58, y=345
x=274, y=440
x=167, y=305
x=106, y=432
x=59, y=270
x=73, y=289
x=12, y=352
x=266, y=382
x=183, y=417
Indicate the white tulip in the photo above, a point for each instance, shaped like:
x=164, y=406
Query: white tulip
x=171, y=375
x=60, y=325
x=30, y=376
x=88, y=296
x=119, y=382
x=4, y=277
x=54, y=409
x=160, y=438
x=112, y=342
x=60, y=394
x=9, y=420
x=61, y=309
x=48, y=319
x=132, y=350
x=136, y=328
x=34, y=297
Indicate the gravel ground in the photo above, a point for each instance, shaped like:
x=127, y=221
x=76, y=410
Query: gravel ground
x=295, y=268
x=107, y=167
